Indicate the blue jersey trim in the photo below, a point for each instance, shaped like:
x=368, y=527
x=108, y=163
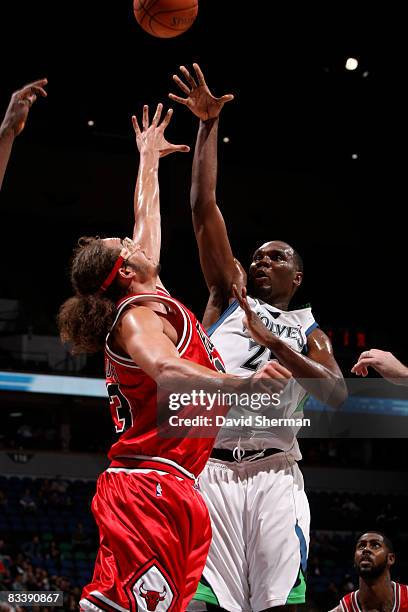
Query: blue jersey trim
x=231, y=308
x=311, y=328
x=303, y=547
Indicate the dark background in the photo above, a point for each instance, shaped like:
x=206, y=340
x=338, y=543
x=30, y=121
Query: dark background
x=286, y=173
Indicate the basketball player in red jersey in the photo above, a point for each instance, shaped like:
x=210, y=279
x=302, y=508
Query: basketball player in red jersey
x=154, y=526
x=15, y=119
x=373, y=558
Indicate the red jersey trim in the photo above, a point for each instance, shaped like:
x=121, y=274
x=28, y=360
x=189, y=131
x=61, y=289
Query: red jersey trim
x=165, y=300
x=349, y=603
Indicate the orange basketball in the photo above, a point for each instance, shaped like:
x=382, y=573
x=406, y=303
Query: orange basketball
x=165, y=18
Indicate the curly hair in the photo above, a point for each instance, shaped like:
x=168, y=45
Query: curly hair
x=85, y=319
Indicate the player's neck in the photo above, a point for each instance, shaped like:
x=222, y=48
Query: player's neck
x=280, y=303
x=145, y=286
x=376, y=595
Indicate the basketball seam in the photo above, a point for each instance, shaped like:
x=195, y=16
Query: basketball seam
x=142, y=6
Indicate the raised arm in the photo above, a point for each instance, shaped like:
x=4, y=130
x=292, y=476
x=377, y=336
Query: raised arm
x=216, y=257
x=15, y=119
x=152, y=145
x=318, y=373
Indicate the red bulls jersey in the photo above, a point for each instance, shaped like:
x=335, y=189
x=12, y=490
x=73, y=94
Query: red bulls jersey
x=133, y=394
x=350, y=602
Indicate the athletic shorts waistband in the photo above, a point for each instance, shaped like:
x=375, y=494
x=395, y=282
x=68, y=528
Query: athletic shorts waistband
x=151, y=463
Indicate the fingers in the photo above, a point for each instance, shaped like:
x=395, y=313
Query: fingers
x=359, y=370
x=178, y=99
x=157, y=114
x=361, y=367
x=226, y=98
x=145, y=120
x=181, y=84
x=166, y=119
x=281, y=371
x=200, y=76
x=182, y=148
x=188, y=76
x=34, y=87
x=135, y=126
x=237, y=294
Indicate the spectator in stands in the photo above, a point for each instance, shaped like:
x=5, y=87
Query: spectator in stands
x=80, y=539
x=384, y=363
x=27, y=501
x=34, y=549
x=15, y=119
x=54, y=553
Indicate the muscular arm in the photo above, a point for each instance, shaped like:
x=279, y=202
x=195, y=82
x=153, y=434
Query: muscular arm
x=338, y=609
x=216, y=257
x=318, y=373
x=217, y=260
x=141, y=334
x=319, y=364
x=152, y=145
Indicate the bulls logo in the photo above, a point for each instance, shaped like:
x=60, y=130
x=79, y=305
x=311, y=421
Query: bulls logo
x=152, y=597
x=152, y=590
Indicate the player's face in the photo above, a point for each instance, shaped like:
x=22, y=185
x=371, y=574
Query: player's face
x=372, y=557
x=273, y=271
x=137, y=258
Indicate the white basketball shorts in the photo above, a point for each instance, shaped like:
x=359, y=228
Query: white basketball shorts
x=260, y=519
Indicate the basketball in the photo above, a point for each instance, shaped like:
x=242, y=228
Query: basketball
x=165, y=18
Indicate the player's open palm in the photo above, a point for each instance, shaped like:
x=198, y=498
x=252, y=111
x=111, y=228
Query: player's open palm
x=258, y=331
x=151, y=137
x=199, y=99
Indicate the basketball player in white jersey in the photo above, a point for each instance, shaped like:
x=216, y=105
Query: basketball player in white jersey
x=252, y=484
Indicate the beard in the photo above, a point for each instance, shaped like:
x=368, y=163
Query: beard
x=373, y=571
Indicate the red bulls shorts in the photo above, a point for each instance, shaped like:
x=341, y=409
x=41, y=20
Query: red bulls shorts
x=154, y=533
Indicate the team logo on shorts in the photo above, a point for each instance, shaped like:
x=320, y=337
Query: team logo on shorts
x=152, y=589
x=152, y=597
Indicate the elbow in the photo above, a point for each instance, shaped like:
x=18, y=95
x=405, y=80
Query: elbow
x=339, y=393
x=163, y=372
x=201, y=198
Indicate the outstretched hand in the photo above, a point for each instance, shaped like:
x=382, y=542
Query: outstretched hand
x=199, y=99
x=20, y=104
x=383, y=362
x=258, y=331
x=151, y=137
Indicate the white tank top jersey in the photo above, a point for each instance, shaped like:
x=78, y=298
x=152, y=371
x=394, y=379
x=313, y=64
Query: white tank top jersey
x=242, y=357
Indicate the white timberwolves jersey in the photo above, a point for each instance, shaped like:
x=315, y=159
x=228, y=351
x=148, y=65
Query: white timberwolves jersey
x=242, y=357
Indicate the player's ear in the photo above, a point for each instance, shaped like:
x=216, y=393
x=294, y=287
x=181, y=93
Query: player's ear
x=297, y=281
x=125, y=272
x=125, y=275
x=391, y=559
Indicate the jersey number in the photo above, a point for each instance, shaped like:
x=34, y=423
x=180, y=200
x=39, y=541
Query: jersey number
x=253, y=362
x=120, y=408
